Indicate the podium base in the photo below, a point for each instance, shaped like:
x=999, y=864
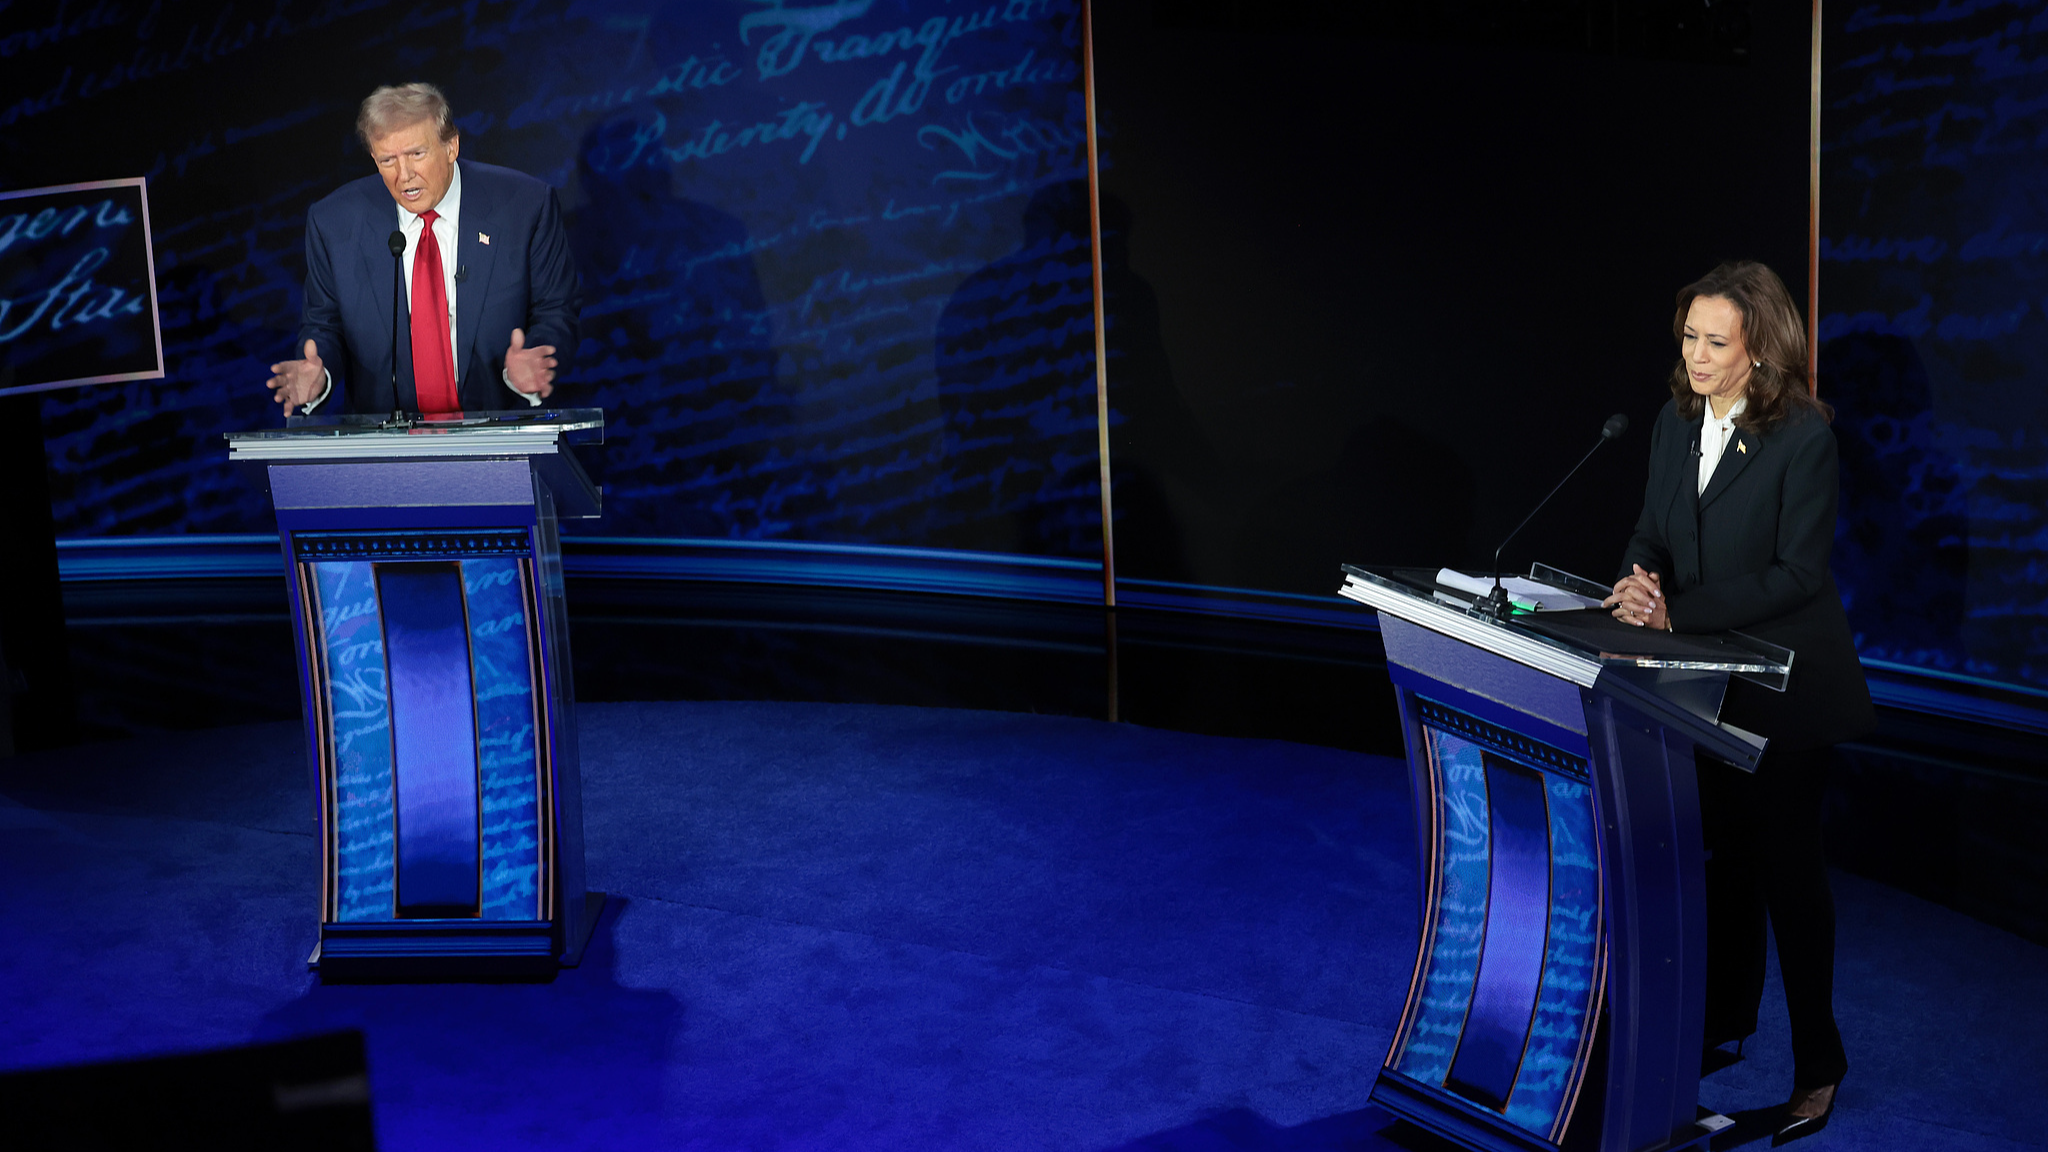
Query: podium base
x=1469, y=1126
x=425, y=951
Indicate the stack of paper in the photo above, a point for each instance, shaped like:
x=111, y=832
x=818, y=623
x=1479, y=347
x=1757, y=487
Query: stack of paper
x=1523, y=592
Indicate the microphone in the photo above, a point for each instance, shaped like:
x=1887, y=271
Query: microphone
x=1495, y=603
x=462, y=274
x=396, y=242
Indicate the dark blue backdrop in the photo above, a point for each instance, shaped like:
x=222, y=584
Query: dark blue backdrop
x=821, y=303
x=1934, y=328
x=839, y=278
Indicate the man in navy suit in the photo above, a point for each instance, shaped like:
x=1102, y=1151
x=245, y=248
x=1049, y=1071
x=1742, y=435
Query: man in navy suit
x=491, y=288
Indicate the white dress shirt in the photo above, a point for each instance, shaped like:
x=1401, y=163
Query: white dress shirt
x=1715, y=435
x=447, y=227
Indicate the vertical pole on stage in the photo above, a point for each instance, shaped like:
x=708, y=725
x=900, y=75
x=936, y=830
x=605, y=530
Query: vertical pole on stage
x=1101, y=327
x=1101, y=352
x=1812, y=215
x=1109, y=663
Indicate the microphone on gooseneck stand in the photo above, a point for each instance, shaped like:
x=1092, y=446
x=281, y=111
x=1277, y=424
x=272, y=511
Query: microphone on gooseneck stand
x=1495, y=603
x=396, y=242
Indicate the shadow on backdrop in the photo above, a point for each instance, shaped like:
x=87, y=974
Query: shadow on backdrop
x=1902, y=543
x=1394, y=495
x=1165, y=472
x=677, y=348
x=1014, y=350
x=1016, y=365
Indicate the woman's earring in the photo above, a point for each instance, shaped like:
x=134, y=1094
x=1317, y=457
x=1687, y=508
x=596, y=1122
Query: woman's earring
x=1756, y=363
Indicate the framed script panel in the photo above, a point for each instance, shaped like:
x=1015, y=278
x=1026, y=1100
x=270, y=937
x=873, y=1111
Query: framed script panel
x=77, y=287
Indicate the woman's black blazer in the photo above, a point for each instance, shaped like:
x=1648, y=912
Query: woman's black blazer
x=1751, y=554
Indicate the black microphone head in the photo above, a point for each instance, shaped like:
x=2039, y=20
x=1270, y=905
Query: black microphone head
x=1615, y=426
x=397, y=245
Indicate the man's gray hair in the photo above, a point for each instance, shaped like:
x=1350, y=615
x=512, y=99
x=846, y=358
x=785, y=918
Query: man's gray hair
x=400, y=105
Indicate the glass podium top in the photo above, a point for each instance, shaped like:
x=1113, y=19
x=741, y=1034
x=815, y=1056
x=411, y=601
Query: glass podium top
x=400, y=434
x=416, y=424
x=1574, y=644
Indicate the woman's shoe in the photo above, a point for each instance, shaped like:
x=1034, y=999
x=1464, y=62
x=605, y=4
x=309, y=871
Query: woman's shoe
x=1800, y=1127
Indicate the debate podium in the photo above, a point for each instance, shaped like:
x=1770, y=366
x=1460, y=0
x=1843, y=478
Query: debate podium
x=1559, y=987
x=424, y=567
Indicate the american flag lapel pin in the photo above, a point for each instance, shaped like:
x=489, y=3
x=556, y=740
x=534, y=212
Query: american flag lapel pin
x=482, y=238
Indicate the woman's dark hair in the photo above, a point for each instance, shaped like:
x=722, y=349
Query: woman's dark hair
x=1774, y=335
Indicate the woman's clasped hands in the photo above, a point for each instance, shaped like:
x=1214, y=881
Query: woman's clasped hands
x=1639, y=599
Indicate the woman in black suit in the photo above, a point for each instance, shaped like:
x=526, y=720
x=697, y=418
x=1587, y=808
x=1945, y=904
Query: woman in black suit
x=1737, y=525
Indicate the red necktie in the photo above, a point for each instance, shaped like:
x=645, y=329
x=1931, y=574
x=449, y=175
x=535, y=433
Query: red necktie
x=433, y=358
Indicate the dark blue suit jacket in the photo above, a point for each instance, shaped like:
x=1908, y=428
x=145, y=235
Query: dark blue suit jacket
x=1751, y=554
x=524, y=278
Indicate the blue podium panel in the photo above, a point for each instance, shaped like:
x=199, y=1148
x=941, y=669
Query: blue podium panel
x=435, y=736
x=1507, y=994
x=1511, y=955
x=502, y=653
x=356, y=783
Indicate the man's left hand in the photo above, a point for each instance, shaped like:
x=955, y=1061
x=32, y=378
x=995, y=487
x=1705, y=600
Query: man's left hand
x=530, y=370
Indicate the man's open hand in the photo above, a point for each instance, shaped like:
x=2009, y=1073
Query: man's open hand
x=297, y=383
x=530, y=370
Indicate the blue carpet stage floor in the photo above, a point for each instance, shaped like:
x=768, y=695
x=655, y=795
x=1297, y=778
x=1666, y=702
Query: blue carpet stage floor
x=856, y=927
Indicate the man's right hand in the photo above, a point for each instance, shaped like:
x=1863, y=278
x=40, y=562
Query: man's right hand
x=297, y=383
